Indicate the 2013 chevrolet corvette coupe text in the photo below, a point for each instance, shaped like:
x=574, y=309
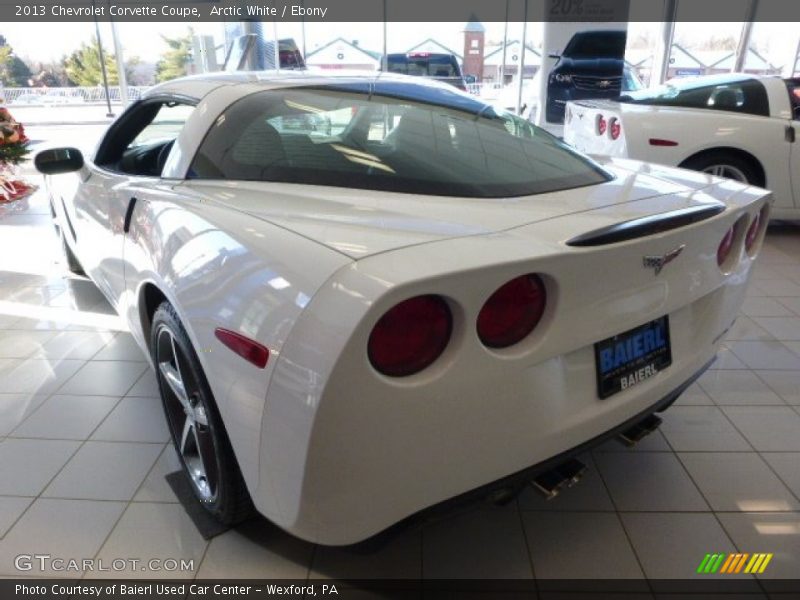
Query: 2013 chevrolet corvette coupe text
x=364, y=296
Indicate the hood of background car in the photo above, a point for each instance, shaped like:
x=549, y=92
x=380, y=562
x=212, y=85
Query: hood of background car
x=595, y=67
x=360, y=223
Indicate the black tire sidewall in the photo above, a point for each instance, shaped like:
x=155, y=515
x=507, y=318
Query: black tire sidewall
x=724, y=158
x=219, y=505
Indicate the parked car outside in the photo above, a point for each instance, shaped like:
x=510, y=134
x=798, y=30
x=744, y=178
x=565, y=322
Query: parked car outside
x=591, y=66
x=507, y=99
x=433, y=65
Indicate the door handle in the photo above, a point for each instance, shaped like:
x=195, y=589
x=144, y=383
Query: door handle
x=790, y=134
x=129, y=215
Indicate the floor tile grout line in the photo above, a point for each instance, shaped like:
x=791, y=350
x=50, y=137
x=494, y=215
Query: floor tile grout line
x=621, y=520
x=527, y=541
x=755, y=374
x=763, y=460
x=700, y=490
x=63, y=466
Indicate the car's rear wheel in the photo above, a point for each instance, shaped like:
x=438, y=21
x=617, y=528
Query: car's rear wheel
x=726, y=164
x=194, y=422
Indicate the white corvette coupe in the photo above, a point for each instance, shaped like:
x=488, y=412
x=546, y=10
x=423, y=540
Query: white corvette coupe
x=365, y=296
x=739, y=126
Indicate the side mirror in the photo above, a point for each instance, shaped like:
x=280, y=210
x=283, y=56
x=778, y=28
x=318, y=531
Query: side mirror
x=58, y=160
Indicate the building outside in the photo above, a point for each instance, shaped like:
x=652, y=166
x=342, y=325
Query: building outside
x=340, y=53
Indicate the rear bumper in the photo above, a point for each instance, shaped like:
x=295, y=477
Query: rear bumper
x=524, y=477
x=347, y=452
x=557, y=98
x=370, y=460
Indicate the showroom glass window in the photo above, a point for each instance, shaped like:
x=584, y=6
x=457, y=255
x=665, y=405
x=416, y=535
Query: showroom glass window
x=394, y=137
x=744, y=96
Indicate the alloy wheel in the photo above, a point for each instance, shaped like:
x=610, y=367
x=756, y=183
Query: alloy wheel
x=727, y=171
x=187, y=415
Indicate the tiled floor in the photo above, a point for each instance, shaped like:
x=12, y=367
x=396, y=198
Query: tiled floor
x=83, y=454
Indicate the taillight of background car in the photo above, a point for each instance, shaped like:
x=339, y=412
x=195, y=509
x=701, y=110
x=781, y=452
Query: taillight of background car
x=601, y=124
x=512, y=312
x=615, y=128
x=410, y=336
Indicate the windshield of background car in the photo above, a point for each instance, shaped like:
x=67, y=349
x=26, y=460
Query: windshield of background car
x=432, y=65
x=630, y=81
x=596, y=44
x=389, y=136
x=745, y=96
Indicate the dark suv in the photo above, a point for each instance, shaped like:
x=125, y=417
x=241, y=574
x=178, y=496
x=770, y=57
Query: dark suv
x=591, y=66
x=433, y=65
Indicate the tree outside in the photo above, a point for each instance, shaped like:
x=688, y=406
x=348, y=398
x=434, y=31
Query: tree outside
x=83, y=66
x=13, y=70
x=175, y=60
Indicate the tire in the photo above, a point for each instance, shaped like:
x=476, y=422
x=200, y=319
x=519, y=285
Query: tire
x=73, y=264
x=197, y=431
x=726, y=164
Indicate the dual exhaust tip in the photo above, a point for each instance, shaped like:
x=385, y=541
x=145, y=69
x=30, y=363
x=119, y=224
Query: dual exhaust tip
x=551, y=483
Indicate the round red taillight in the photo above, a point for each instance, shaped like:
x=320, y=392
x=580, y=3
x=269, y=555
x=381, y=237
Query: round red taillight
x=725, y=247
x=512, y=312
x=601, y=125
x=615, y=129
x=410, y=336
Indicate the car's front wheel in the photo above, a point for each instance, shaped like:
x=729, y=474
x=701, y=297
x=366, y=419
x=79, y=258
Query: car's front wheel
x=194, y=422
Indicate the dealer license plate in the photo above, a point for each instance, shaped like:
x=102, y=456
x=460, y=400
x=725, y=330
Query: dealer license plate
x=629, y=358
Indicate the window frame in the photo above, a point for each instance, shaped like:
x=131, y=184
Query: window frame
x=130, y=124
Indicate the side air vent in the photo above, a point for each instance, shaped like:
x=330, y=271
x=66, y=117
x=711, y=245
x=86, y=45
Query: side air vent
x=644, y=226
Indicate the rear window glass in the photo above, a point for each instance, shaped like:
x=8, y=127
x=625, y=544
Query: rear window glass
x=434, y=65
x=747, y=96
x=338, y=136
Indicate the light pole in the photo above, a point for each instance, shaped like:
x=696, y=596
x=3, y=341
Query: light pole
x=744, y=38
x=102, y=64
x=123, y=78
x=522, y=55
x=505, y=47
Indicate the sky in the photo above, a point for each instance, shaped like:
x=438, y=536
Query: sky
x=142, y=39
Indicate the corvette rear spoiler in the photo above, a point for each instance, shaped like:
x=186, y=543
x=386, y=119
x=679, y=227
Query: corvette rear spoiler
x=650, y=225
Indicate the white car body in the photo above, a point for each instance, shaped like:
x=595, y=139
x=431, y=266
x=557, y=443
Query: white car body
x=768, y=141
x=330, y=449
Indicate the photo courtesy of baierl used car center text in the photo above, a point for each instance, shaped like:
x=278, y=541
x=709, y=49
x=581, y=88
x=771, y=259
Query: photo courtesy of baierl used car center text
x=404, y=300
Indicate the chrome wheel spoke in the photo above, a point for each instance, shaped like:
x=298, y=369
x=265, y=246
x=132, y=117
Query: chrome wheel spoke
x=186, y=435
x=727, y=171
x=173, y=379
x=187, y=415
x=207, y=457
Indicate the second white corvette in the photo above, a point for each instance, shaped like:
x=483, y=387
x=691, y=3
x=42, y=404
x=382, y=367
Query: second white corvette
x=739, y=126
x=365, y=296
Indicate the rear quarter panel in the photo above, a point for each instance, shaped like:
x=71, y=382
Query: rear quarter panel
x=220, y=268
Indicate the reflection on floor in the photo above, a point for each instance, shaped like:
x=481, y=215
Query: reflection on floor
x=84, y=453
